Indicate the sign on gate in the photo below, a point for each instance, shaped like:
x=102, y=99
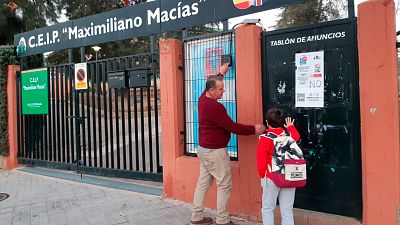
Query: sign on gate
x=309, y=79
x=35, y=97
x=81, y=76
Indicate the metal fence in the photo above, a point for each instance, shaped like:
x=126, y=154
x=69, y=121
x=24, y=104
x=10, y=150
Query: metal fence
x=100, y=130
x=203, y=57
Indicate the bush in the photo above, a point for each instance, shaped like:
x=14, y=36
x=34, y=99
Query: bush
x=7, y=57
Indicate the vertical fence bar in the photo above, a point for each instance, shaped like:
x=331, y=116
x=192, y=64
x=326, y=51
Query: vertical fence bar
x=57, y=99
x=142, y=130
x=88, y=114
x=32, y=135
x=49, y=137
x=123, y=128
x=99, y=92
x=111, y=130
x=93, y=108
x=66, y=99
x=42, y=135
x=149, y=124
x=18, y=114
x=53, y=133
x=72, y=102
x=26, y=136
x=130, y=130
x=83, y=127
x=156, y=122
x=105, y=93
x=117, y=128
x=62, y=101
x=78, y=123
x=136, y=128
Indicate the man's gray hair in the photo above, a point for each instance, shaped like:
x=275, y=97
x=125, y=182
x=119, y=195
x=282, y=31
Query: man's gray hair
x=212, y=81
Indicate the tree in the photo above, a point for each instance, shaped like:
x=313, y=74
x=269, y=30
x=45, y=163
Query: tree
x=10, y=23
x=17, y=16
x=313, y=11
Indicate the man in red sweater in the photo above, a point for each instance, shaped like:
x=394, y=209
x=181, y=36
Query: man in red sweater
x=215, y=128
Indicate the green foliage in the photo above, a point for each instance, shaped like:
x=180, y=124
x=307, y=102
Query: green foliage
x=7, y=57
x=310, y=12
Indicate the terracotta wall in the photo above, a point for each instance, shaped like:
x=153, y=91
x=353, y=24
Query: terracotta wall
x=12, y=160
x=379, y=112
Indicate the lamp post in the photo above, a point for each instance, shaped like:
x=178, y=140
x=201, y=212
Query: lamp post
x=96, y=49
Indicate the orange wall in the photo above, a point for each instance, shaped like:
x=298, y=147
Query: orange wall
x=379, y=112
x=12, y=160
x=171, y=84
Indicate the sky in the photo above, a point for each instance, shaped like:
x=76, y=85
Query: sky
x=268, y=18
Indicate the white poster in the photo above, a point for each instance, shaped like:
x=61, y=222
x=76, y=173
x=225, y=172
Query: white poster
x=310, y=79
x=81, y=76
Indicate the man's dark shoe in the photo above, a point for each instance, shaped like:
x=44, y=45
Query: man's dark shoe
x=204, y=221
x=230, y=223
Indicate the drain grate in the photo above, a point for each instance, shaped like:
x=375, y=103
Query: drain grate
x=4, y=196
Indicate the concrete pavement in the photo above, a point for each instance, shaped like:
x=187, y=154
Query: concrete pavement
x=42, y=200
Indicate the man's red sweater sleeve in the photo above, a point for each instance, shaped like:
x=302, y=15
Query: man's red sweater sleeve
x=222, y=118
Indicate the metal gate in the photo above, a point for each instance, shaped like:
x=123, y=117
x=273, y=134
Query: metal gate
x=330, y=135
x=101, y=130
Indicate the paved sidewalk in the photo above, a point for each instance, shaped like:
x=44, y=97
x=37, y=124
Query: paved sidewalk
x=36, y=199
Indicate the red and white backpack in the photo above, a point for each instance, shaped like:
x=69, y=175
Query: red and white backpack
x=289, y=168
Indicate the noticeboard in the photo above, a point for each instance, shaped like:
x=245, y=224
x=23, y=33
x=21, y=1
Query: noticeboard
x=35, y=95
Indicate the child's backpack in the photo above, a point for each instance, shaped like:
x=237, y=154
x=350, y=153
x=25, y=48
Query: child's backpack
x=288, y=163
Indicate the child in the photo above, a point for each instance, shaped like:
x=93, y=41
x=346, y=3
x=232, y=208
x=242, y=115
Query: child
x=265, y=149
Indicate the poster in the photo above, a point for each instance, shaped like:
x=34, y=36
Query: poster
x=35, y=95
x=81, y=76
x=203, y=58
x=309, y=79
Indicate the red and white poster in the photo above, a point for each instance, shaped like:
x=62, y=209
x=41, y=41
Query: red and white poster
x=309, y=79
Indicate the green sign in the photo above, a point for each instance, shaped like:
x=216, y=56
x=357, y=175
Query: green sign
x=35, y=96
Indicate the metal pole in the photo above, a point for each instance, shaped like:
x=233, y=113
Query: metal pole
x=152, y=43
x=350, y=6
x=70, y=55
x=225, y=25
x=82, y=54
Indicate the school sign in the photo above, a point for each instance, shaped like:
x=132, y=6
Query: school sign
x=138, y=20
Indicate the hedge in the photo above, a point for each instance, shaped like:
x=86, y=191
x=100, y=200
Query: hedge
x=7, y=57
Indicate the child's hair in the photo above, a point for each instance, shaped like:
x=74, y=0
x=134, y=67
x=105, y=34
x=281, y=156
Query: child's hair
x=275, y=117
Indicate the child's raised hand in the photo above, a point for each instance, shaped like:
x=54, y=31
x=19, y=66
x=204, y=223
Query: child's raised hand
x=288, y=122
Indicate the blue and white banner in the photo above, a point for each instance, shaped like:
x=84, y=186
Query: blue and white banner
x=203, y=58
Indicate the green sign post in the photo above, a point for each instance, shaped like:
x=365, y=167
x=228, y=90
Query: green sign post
x=35, y=97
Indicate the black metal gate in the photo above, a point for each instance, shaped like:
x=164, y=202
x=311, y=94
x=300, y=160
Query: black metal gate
x=101, y=130
x=330, y=135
